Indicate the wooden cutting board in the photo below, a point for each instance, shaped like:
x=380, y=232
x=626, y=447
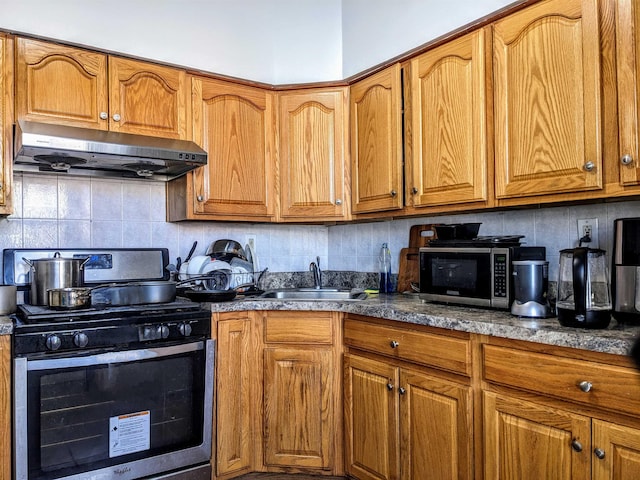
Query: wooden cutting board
x=408, y=268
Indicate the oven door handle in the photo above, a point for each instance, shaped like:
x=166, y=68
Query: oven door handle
x=114, y=357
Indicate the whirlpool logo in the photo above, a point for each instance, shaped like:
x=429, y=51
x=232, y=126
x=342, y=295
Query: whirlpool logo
x=121, y=470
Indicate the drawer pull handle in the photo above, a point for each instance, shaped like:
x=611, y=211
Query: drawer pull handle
x=394, y=344
x=585, y=386
x=626, y=159
x=599, y=453
x=401, y=391
x=576, y=445
x=389, y=386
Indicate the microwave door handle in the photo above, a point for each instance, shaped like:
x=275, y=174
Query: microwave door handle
x=113, y=357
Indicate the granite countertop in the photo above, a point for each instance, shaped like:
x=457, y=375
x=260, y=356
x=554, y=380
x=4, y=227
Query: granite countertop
x=617, y=339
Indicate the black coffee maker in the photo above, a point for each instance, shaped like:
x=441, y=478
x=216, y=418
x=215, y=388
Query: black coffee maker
x=584, y=299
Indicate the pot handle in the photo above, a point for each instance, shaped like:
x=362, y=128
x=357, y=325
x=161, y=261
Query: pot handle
x=28, y=262
x=85, y=262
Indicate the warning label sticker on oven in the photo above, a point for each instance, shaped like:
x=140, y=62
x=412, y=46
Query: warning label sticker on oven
x=129, y=433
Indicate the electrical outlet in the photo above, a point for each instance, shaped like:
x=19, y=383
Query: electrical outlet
x=589, y=226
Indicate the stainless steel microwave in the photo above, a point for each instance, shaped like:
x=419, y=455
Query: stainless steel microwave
x=474, y=276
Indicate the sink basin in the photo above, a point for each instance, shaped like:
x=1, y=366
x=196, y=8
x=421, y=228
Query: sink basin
x=308, y=294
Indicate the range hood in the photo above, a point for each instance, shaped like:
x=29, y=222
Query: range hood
x=84, y=151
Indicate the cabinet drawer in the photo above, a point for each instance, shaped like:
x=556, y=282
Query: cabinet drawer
x=612, y=387
x=440, y=351
x=298, y=327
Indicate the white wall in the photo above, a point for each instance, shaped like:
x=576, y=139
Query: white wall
x=374, y=31
x=275, y=41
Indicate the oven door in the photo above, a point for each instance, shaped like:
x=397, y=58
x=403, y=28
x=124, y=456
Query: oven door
x=125, y=414
x=456, y=275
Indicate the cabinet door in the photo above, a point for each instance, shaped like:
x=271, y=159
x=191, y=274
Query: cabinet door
x=5, y=407
x=6, y=123
x=628, y=71
x=298, y=407
x=313, y=164
x=528, y=441
x=449, y=118
x=376, y=142
x=235, y=362
x=235, y=125
x=371, y=419
x=148, y=99
x=435, y=428
x=547, y=100
x=61, y=85
x=616, y=452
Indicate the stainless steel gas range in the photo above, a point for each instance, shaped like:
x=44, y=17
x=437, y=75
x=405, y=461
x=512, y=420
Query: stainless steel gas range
x=112, y=392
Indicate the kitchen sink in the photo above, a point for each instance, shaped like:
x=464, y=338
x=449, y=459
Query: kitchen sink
x=314, y=294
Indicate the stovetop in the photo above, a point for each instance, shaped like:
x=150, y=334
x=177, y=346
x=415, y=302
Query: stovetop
x=35, y=314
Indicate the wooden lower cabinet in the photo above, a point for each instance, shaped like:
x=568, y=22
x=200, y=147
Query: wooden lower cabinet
x=278, y=393
x=559, y=413
x=404, y=417
x=5, y=407
x=235, y=384
x=302, y=395
x=404, y=424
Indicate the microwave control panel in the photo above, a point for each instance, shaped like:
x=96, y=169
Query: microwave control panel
x=500, y=266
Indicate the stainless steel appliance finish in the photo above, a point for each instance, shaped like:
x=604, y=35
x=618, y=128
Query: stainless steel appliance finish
x=84, y=151
x=105, y=265
x=54, y=273
x=476, y=272
x=138, y=379
x=530, y=286
x=625, y=270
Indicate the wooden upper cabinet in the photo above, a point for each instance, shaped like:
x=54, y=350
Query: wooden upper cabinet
x=76, y=87
x=376, y=142
x=6, y=125
x=235, y=125
x=449, y=123
x=547, y=100
x=148, y=99
x=628, y=73
x=62, y=85
x=313, y=164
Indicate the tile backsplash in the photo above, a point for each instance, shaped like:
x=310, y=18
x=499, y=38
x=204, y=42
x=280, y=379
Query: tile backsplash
x=58, y=211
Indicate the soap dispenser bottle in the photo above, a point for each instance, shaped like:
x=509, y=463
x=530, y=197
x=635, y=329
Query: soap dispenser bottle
x=384, y=260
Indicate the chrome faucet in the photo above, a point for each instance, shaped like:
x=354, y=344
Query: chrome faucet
x=317, y=273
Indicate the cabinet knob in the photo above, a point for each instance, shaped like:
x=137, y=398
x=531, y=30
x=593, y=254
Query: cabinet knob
x=585, y=386
x=116, y=117
x=104, y=115
x=393, y=193
x=200, y=198
x=414, y=190
x=598, y=452
x=389, y=386
x=338, y=201
x=402, y=391
x=626, y=159
x=576, y=445
x=394, y=344
x=589, y=166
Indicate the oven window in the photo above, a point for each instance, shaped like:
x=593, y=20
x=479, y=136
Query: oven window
x=84, y=418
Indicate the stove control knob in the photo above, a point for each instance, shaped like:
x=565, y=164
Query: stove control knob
x=163, y=331
x=53, y=342
x=184, y=329
x=80, y=340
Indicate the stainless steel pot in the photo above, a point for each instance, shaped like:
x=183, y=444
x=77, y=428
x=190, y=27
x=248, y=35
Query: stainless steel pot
x=69, y=298
x=53, y=273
